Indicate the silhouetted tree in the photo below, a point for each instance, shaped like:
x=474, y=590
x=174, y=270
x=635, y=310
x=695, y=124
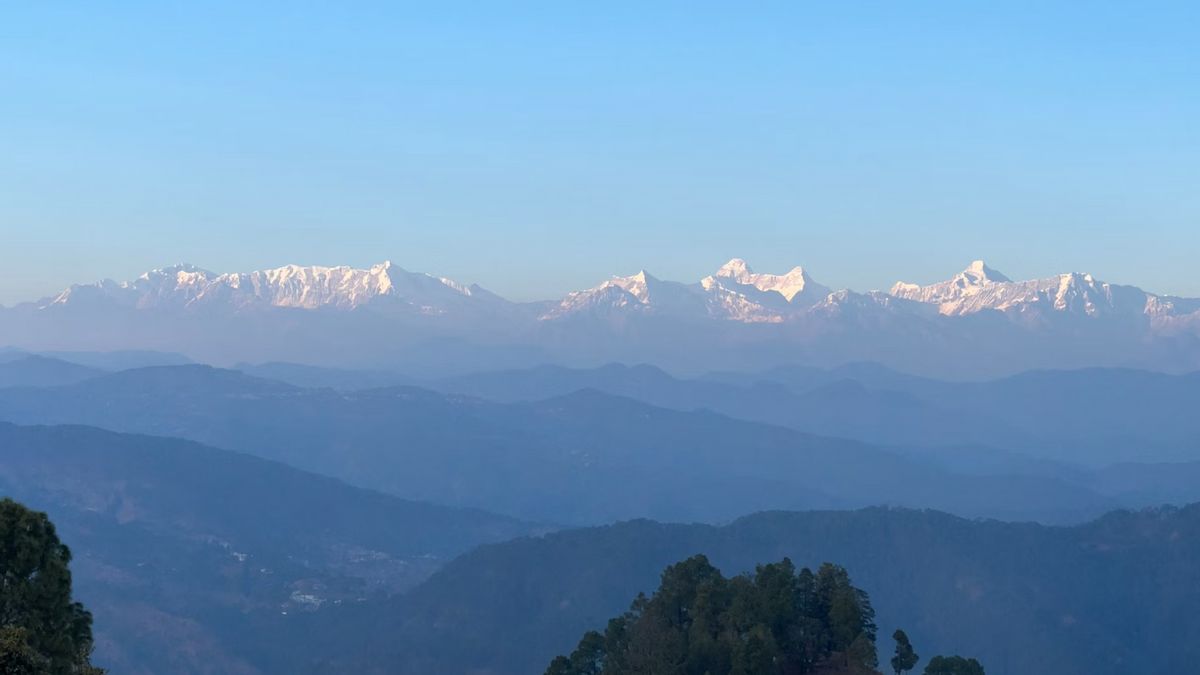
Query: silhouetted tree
x=953, y=665
x=905, y=658
x=775, y=621
x=41, y=629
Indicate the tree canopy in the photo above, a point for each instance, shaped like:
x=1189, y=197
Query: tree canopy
x=42, y=630
x=698, y=622
x=905, y=658
x=953, y=665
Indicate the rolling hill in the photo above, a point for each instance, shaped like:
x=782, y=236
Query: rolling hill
x=1109, y=597
x=583, y=458
x=186, y=553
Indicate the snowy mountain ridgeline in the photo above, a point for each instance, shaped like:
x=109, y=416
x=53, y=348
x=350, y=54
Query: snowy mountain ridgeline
x=188, y=286
x=979, y=322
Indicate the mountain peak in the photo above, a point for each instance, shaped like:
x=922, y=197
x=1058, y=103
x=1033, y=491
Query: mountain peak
x=176, y=268
x=735, y=268
x=640, y=285
x=978, y=270
x=795, y=282
x=181, y=274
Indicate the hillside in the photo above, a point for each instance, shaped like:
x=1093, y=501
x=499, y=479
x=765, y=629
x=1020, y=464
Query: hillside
x=1089, y=416
x=584, y=458
x=186, y=553
x=1110, y=597
x=39, y=371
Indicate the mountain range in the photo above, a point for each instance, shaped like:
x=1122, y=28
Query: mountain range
x=979, y=322
x=1090, y=416
x=587, y=453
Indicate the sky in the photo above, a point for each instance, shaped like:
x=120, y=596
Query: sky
x=537, y=148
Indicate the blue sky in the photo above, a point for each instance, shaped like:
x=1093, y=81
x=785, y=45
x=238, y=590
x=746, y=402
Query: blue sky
x=538, y=147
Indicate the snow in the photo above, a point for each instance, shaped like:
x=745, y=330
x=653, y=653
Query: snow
x=735, y=292
x=291, y=286
x=789, y=285
x=979, y=288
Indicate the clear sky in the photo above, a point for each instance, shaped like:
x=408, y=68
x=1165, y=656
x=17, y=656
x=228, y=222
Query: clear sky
x=539, y=147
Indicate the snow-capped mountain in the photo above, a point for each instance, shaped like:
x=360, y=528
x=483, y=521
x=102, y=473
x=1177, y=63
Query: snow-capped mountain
x=980, y=288
x=977, y=322
x=291, y=286
x=177, y=285
x=734, y=292
x=638, y=293
x=796, y=286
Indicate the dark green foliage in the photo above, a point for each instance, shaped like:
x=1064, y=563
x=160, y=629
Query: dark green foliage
x=587, y=659
x=17, y=656
x=953, y=665
x=700, y=623
x=41, y=629
x=905, y=658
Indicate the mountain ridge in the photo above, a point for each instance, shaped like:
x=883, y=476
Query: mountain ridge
x=1024, y=598
x=343, y=286
x=977, y=323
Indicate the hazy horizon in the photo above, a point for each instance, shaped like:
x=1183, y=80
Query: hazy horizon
x=536, y=153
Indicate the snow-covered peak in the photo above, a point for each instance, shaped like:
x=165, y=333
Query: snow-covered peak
x=638, y=285
x=735, y=292
x=181, y=282
x=979, y=272
x=975, y=279
x=791, y=285
x=979, y=288
x=186, y=272
x=734, y=269
x=641, y=292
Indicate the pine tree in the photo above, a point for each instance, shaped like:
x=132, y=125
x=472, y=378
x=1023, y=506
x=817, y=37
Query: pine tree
x=37, y=614
x=773, y=622
x=905, y=658
x=953, y=665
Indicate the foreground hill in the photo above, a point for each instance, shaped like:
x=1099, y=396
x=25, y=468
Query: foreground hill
x=43, y=629
x=184, y=552
x=1110, y=597
x=584, y=458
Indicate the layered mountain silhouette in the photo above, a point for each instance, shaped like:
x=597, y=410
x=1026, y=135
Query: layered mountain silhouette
x=191, y=556
x=1108, y=597
x=585, y=456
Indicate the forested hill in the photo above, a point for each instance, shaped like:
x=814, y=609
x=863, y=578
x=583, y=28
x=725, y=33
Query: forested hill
x=776, y=621
x=1111, y=597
